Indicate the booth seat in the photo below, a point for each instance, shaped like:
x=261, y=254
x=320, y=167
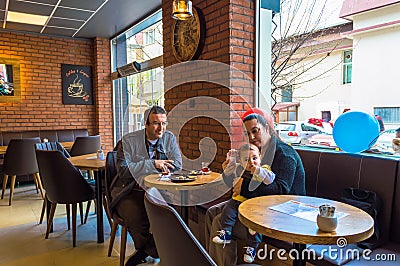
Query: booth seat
x=60, y=135
x=328, y=173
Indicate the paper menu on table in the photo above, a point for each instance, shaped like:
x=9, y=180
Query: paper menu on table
x=302, y=210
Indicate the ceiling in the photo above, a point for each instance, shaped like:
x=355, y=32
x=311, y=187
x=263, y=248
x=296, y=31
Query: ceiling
x=78, y=18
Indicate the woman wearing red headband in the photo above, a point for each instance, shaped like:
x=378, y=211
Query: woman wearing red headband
x=284, y=162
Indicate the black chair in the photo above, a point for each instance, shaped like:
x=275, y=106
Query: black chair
x=111, y=172
x=85, y=145
x=175, y=245
x=54, y=146
x=20, y=159
x=64, y=184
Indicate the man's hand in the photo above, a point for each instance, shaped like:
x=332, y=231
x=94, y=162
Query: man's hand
x=237, y=185
x=164, y=165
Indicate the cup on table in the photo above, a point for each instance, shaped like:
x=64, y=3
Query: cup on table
x=327, y=224
x=326, y=219
x=204, y=167
x=45, y=140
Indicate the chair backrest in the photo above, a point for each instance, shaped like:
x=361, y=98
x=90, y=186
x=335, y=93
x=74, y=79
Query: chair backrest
x=62, y=181
x=20, y=158
x=111, y=172
x=52, y=146
x=85, y=145
x=175, y=245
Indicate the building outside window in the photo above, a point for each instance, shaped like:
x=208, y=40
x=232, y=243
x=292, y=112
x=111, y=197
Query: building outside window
x=347, y=66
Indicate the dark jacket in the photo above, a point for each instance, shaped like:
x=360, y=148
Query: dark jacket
x=134, y=163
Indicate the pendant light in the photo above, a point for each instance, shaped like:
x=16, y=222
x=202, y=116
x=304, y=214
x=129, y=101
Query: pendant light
x=182, y=9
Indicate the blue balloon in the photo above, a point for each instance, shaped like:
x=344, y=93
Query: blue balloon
x=355, y=131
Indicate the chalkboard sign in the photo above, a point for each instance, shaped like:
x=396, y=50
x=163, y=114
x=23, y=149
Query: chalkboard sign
x=76, y=84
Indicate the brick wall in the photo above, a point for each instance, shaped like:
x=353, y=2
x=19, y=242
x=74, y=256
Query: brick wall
x=102, y=81
x=41, y=105
x=229, y=40
x=41, y=96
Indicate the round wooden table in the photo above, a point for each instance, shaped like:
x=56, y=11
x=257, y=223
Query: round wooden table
x=256, y=214
x=154, y=181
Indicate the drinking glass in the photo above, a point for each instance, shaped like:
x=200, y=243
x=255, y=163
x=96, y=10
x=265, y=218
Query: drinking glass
x=204, y=167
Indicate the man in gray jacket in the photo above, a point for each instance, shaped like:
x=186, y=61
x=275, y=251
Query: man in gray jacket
x=148, y=151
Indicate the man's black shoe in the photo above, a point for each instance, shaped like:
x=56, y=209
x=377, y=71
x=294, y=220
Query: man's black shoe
x=137, y=258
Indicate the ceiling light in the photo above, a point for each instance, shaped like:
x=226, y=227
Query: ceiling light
x=26, y=18
x=182, y=10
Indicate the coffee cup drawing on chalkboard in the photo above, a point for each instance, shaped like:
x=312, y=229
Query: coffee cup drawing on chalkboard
x=75, y=89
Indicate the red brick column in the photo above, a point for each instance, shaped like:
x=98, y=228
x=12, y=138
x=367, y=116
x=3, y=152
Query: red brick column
x=103, y=92
x=230, y=40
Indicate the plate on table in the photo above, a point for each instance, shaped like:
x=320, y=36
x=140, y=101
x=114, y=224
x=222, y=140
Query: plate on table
x=183, y=178
x=195, y=172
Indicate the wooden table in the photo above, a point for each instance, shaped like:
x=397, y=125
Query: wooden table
x=3, y=149
x=90, y=162
x=67, y=145
x=183, y=188
x=256, y=215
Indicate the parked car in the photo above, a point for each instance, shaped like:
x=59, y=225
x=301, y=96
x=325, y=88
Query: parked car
x=384, y=141
x=322, y=139
x=298, y=132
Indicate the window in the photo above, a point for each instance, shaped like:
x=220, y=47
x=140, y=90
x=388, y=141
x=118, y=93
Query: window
x=347, y=66
x=308, y=128
x=135, y=93
x=388, y=114
x=149, y=37
x=326, y=116
x=287, y=94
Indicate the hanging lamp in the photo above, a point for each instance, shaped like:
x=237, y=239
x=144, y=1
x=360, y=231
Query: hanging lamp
x=182, y=9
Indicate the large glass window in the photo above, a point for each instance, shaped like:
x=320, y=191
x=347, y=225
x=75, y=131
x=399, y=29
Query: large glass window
x=133, y=94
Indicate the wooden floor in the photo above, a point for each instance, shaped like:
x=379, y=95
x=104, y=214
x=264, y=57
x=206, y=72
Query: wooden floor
x=22, y=239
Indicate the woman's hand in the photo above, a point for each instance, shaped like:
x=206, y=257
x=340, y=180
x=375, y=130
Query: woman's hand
x=237, y=186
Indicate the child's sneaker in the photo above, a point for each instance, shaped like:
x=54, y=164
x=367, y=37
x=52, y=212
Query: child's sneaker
x=252, y=232
x=249, y=255
x=223, y=237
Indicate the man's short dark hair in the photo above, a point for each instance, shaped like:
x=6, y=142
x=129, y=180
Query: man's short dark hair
x=153, y=110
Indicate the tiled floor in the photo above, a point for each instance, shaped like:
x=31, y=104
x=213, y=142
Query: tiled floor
x=22, y=239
